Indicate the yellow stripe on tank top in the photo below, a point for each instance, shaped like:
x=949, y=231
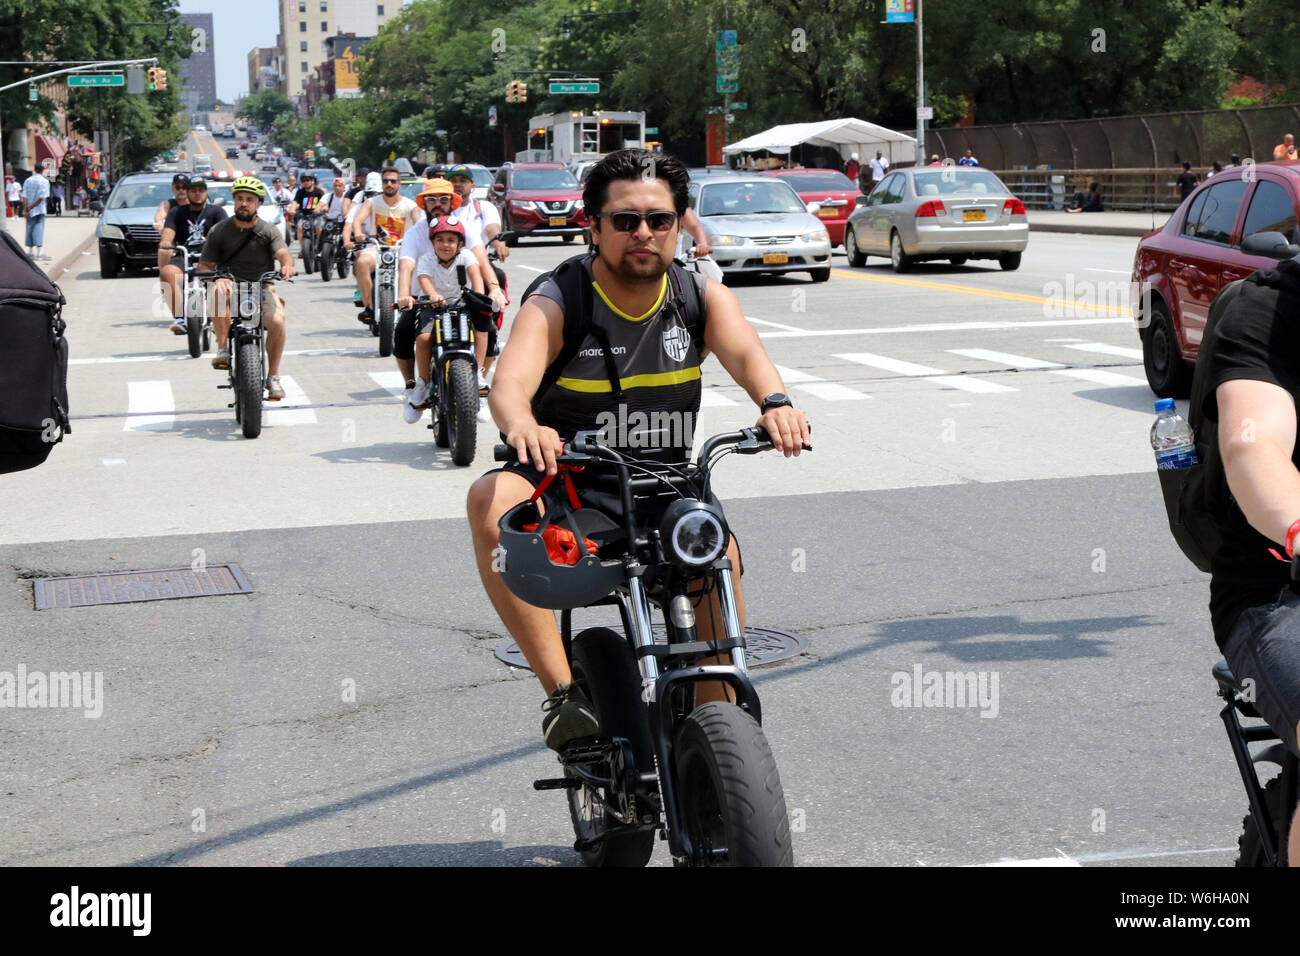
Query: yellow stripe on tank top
x=648, y=380
x=663, y=289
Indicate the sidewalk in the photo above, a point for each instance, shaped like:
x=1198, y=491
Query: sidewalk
x=64, y=238
x=1097, y=223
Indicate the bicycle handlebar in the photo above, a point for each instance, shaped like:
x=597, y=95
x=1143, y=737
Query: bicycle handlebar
x=584, y=449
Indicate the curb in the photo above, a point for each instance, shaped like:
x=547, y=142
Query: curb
x=1101, y=229
x=66, y=262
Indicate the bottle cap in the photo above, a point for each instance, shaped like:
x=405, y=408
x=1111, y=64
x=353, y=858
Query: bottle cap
x=1164, y=404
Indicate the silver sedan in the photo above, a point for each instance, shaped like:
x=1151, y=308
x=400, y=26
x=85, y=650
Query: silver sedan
x=761, y=225
x=953, y=212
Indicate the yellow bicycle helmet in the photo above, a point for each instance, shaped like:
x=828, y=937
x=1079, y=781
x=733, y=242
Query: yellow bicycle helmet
x=248, y=184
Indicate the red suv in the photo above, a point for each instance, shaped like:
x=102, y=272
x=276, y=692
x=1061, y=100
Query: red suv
x=837, y=194
x=1182, y=266
x=539, y=199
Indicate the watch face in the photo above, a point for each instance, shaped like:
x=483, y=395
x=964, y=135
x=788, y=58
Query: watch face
x=776, y=399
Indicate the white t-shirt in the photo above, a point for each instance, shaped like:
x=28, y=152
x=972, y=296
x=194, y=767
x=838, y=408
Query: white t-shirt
x=878, y=167
x=13, y=192
x=445, y=280
x=416, y=243
x=481, y=215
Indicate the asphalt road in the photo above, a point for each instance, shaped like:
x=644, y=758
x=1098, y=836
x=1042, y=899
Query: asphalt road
x=980, y=498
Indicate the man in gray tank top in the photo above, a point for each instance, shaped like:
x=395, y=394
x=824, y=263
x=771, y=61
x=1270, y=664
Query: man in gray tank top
x=635, y=200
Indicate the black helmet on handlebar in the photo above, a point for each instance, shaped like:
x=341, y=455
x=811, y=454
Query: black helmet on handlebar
x=527, y=566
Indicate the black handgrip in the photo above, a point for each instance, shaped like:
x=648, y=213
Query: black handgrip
x=504, y=453
x=460, y=276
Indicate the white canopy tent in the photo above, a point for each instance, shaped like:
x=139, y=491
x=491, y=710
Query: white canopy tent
x=843, y=135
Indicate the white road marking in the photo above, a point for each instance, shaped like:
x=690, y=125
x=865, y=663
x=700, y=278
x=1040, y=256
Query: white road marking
x=1108, y=857
x=897, y=366
x=712, y=398
x=153, y=398
x=945, y=327
x=531, y=268
x=184, y=357
x=831, y=391
x=969, y=383
x=792, y=375
x=109, y=462
x=775, y=325
x=1062, y=340
x=1103, y=349
x=284, y=412
x=1100, y=376
x=1123, y=272
x=392, y=382
x=1005, y=358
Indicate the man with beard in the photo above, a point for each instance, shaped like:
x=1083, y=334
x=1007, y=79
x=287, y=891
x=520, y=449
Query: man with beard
x=247, y=246
x=653, y=341
x=386, y=217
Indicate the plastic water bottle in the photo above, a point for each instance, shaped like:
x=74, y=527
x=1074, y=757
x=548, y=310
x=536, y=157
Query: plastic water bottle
x=1171, y=438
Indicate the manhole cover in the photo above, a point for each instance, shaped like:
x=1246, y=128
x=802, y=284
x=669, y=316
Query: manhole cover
x=130, y=586
x=763, y=645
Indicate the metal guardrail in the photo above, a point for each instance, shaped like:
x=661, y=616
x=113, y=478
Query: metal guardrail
x=1135, y=190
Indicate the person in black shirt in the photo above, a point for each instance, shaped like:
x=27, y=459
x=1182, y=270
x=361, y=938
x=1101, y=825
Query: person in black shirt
x=1186, y=181
x=187, y=225
x=305, y=200
x=1254, y=387
x=1087, y=203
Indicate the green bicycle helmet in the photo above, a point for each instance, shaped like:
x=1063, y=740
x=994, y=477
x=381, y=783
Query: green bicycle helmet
x=248, y=184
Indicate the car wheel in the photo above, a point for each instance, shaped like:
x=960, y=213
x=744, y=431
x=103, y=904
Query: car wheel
x=1162, y=359
x=899, y=259
x=1009, y=261
x=958, y=260
x=109, y=264
x=856, y=256
x=512, y=240
x=820, y=275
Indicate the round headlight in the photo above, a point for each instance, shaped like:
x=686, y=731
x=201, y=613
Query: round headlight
x=694, y=533
x=247, y=306
x=388, y=257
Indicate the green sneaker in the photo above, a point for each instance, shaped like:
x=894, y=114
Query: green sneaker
x=569, y=716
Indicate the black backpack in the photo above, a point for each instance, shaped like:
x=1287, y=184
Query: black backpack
x=574, y=278
x=1197, y=498
x=33, y=361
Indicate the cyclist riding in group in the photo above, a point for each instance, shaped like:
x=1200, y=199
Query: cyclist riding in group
x=189, y=224
x=178, y=198
x=483, y=220
x=307, y=200
x=337, y=204
x=248, y=247
x=387, y=217
x=639, y=347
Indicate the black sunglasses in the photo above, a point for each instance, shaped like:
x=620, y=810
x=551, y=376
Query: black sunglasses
x=659, y=220
x=392, y=182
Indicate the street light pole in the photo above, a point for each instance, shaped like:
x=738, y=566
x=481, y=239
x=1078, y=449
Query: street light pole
x=920, y=89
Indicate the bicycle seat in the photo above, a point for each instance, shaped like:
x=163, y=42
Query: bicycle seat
x=1231, y=690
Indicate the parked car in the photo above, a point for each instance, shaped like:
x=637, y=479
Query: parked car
x=125, y=232
x=232, y=152
x=835, y=194
x=1183, y=265
x=268, y=163
x=759, y=224
x=539, y=199
x=698, y=173
x=955, y=213
x=483, y=179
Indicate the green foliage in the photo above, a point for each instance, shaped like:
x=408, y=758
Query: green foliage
x=265, y=107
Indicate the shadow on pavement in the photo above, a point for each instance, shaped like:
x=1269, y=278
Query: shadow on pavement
x=481, y=853
x=1137, y=398
x=418, y=453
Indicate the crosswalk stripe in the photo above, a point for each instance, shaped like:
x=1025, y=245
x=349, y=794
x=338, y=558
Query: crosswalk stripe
x=390, y=381
x=155, y=398
x=970, y=383
x=792, y=375
x=1005, y=358
x=1100, y=376
x=712, y=398
x=283, y=412
x=888, y=364
x=831, y=391
x=1104, y=349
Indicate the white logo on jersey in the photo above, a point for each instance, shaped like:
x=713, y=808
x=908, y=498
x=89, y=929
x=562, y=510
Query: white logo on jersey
x=676, y=342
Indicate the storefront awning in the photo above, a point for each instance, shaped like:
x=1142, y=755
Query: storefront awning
x=49, y=147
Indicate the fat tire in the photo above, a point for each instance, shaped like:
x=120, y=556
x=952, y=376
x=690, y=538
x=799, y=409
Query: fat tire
x=249, y=399
x=462, y=422
x=1250, y=849
x=308, y=259
x=384, y=320
x=721, y=747
x=194, y=322
x=343, y=263
x=326, y=260
x=603, y=661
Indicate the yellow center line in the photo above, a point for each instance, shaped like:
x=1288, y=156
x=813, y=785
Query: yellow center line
x=989, y=293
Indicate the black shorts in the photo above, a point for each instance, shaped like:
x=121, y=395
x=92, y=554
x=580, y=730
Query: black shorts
x=603, y=494
x=1264, y=647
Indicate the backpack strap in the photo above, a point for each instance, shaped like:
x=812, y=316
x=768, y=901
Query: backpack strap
x=690, y=305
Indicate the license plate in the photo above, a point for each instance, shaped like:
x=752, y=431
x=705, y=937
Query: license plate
x=775, y=258
x=973, y=215
x=558, y=221
x=827, y=212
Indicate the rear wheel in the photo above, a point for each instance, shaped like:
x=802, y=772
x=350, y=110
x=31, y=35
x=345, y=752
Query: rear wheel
x=1009, y=261
x=1162, y=359
x=343, y=263
x=194, y=321
x=604, y=664
x=899, y=259
x=731, y=797
x=384, y=318
x=326, y=259
x=462, y=414
x=110, y=264
x=856, y=256
x=958, y=260
x=308, y=252
x=569, y=238
x=1252, y=851
x=250, y=384
x=820, y=275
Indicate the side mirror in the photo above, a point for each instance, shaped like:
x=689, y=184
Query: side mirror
x=499, y=188
x=814, y=208
x=1272, y=245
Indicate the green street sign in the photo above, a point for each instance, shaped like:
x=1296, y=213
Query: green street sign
x=558, y=86
x=97, y=79
x=651, y=130
x=740, y=106
x=31, y=93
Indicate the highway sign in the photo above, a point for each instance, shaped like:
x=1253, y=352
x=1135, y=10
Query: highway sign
x=651, y=130
x=740, y=106
x=581, y=86
x=97, y=79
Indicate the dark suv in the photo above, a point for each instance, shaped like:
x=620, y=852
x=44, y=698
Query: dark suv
x=539, y=199
x=126, y=233
x=1181, y=267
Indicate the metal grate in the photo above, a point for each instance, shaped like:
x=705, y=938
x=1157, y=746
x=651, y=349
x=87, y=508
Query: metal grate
x=131, y=586
x=763, y=645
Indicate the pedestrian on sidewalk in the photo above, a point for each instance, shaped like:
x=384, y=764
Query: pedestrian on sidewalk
x=35, y=191
x=853, y=169
x=13, y=196
x=878, y=167
x=56, y=198
x=1186, y=181
x=968, y=160
x=1215, y=169
x=1285, y=149
x=1089, y=203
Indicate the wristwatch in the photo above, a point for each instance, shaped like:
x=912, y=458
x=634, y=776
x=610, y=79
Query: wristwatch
x=775, y=400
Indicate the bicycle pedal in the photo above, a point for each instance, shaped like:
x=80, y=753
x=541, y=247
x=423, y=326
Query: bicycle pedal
x=558, y=783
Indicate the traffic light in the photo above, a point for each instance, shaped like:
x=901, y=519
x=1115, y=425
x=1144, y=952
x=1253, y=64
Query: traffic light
x=523, y=93
x=153, y=77
x=162, y=79
x=512, y=91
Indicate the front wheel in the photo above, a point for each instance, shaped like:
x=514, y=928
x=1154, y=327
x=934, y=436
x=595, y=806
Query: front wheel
x=854, y=252
x=384, y=319
x=194, y=321
x=1162, y=359
x=729, y=790
x=308, y=256
x=343, y=263
x=462, y=412
x=1252, y=851
x=820, y=275
x=249, y=399
x=326, y=258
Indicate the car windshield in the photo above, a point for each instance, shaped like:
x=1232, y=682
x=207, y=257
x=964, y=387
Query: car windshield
x=544, y=179
x=411, y=189
x=818, y=182
x=136, y=195
x=748, y=198
x=956, y=181
x=482, y=177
